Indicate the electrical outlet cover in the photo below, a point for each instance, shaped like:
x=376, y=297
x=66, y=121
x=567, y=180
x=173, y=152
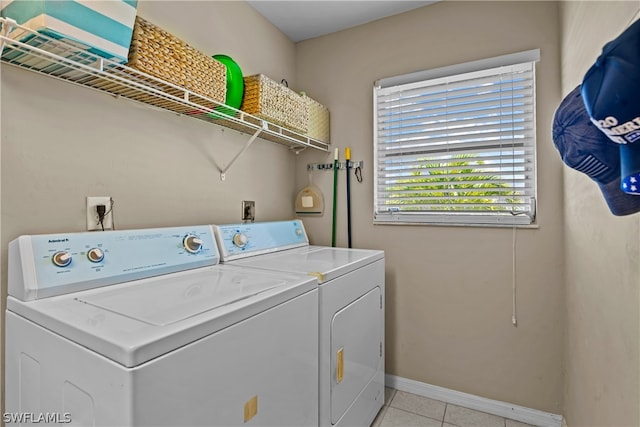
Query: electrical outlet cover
x=248, y=210
x=92, y=213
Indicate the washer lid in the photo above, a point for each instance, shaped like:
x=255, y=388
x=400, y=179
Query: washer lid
x=134, y=322
x=164, y=302
x=323, y=262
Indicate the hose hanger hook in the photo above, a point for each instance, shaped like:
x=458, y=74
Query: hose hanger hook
x=358, y=172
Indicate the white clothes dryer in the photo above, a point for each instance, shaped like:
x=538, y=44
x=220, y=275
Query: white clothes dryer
x=143, y=328
x=351, y=309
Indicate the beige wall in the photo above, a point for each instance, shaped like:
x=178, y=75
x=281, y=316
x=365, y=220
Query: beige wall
x=449, y=288
x=602, y=257
x=61, y=143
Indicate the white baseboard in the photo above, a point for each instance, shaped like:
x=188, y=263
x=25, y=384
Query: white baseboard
x=495, y=407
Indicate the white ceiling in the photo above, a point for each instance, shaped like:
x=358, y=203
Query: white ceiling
x=305, y=19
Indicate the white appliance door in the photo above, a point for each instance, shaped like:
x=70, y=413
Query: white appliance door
x=324, y=263
x=355, y=350
x=165, y=301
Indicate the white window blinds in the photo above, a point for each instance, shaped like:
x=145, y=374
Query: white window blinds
x=457, y=149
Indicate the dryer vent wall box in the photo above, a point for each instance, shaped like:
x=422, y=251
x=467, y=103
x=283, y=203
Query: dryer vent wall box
x=79, y=302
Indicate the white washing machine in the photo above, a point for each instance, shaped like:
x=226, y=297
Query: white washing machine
x=351, y=309
x=143, y=328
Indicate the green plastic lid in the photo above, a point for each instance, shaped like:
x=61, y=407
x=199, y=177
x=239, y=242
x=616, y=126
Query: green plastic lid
x=235, y=86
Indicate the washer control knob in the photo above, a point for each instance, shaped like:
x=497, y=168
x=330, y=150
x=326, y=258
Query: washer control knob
x=192, y=243
x=240, y=240
x=61, y=258
x=298, y=232
x=95, y=255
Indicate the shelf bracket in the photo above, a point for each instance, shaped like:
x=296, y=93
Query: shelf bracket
x=246, y=145
x=8, y=25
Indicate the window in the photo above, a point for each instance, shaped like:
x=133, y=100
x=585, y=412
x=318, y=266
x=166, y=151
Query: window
x=456, y=145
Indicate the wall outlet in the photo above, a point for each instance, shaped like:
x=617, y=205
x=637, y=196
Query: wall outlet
x=248, y=210
x=93, y=222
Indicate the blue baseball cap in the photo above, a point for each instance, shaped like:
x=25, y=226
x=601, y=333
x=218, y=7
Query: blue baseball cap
x=584, y=148
x=611, y=93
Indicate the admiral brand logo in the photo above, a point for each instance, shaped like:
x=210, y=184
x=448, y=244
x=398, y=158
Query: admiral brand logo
x=620, y=133
x=58, y=240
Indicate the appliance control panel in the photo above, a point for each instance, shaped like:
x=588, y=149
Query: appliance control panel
x=53, y=264
x=243, y=240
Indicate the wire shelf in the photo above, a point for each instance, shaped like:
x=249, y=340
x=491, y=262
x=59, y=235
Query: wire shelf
x=74, y=63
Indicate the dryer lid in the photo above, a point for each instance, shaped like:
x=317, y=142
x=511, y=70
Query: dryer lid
x=322, y=262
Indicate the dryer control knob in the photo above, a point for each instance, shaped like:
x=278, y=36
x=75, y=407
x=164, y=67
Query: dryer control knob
x=61, y=258
x=240, y=240
x=192, y=243
x=95, y=255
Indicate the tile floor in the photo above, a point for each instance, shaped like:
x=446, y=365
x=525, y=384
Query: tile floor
x=403, y=409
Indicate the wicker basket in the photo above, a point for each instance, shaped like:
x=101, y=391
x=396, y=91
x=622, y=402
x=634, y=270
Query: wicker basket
x=275, y=102
x=318, y=121
x=156, y=52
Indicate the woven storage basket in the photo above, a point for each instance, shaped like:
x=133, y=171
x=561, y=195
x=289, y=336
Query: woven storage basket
x=318, y=120
x=156, y=52
x=275, y=102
